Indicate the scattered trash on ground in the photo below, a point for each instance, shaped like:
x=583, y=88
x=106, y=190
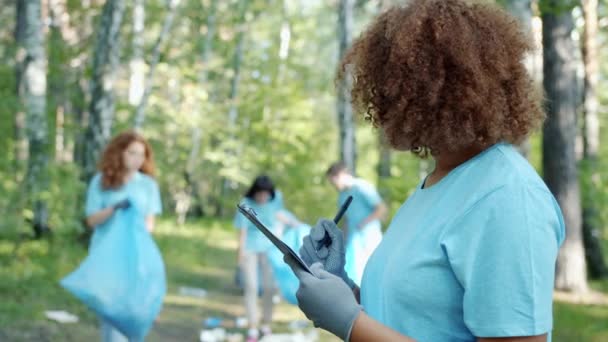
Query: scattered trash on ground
x=213, y=335
x=61, y=316
x=311, y=336
x=192, y=292
x=240, y=322
x=212, y=322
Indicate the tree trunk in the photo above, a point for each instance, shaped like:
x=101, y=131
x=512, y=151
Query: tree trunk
x=522, y=10
x=137, y=65
x=162, y=36
x=20, y=135
x=348, y=146
x=207, y=50
x=591, y=142
x=59, y=74
x=82, y=94
x=196, y=135
x=384, y=164
x=385, y=161
x=233, y=95
x=559, y=135
x=234, y=83
x=284, y=44
x=105, y=66
x=32, y=68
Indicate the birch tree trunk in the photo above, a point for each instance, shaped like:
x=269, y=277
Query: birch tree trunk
x=105, y=66
x=162, y=36
x=20, y=135
x=32, y=69
x=137, y=65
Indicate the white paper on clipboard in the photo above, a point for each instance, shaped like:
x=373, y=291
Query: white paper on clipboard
x=286, y=250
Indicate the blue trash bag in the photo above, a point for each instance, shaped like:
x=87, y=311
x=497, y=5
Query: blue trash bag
x=123, y=278
x=287, y=282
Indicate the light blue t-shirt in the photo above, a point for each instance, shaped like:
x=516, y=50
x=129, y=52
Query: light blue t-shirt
x=141, y=190
x=471, y=256
x=267, y=214
x=361, y=241
x=365, y=201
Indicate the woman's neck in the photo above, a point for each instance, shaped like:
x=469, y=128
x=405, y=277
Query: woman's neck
x=129, y=175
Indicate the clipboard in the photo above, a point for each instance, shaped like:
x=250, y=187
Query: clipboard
x=286, y=250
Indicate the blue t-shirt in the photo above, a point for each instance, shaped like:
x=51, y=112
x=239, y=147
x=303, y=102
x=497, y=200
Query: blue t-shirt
x=141, y=190
x=361, y=240
x=471, y=256
x=365, y=201
x=267, y=214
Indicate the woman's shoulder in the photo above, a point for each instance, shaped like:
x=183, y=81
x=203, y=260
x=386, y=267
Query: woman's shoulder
x=246, y=201
x=147, y=179
x=501, y=173
x=96, y=180
x=504, y=166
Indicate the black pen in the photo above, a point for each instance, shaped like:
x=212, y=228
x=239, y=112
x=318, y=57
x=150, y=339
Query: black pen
x=326, y=241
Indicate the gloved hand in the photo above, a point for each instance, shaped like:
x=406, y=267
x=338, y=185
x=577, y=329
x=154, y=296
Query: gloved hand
x=123, y=204
x=325, y=299
x=333, y=257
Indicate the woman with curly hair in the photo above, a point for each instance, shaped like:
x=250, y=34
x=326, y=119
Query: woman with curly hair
x=126, y=178
x=470, y=256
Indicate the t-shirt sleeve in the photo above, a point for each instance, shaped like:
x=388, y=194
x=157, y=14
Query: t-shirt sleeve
x=277, y=201
x=503, y=252
x=155, y=205
x=94, y=201
x=370, y=195
x=240, y=221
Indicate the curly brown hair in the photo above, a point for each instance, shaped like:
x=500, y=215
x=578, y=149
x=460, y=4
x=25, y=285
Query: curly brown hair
x=444, y=75
x=112, y=166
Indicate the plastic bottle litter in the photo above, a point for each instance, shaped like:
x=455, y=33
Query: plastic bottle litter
x=213, y=335
x=240, y=322
x=61, y=316
x=212, y=322
x=192, y=292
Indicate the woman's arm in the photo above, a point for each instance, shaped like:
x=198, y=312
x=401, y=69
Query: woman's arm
x=99, y=217
x=150, y=221
x=366, y=329
x=378, y=214
x=539, y=338
x=286, y=220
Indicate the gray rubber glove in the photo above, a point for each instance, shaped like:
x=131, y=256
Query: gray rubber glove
x=332, y=258
x=325, y=299
x=123, y=204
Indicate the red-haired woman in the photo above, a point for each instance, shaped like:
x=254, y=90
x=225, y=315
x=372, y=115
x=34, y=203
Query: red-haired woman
x=126, y=178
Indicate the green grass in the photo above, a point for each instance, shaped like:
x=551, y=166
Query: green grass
x=196, y=255
x=199, y=254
